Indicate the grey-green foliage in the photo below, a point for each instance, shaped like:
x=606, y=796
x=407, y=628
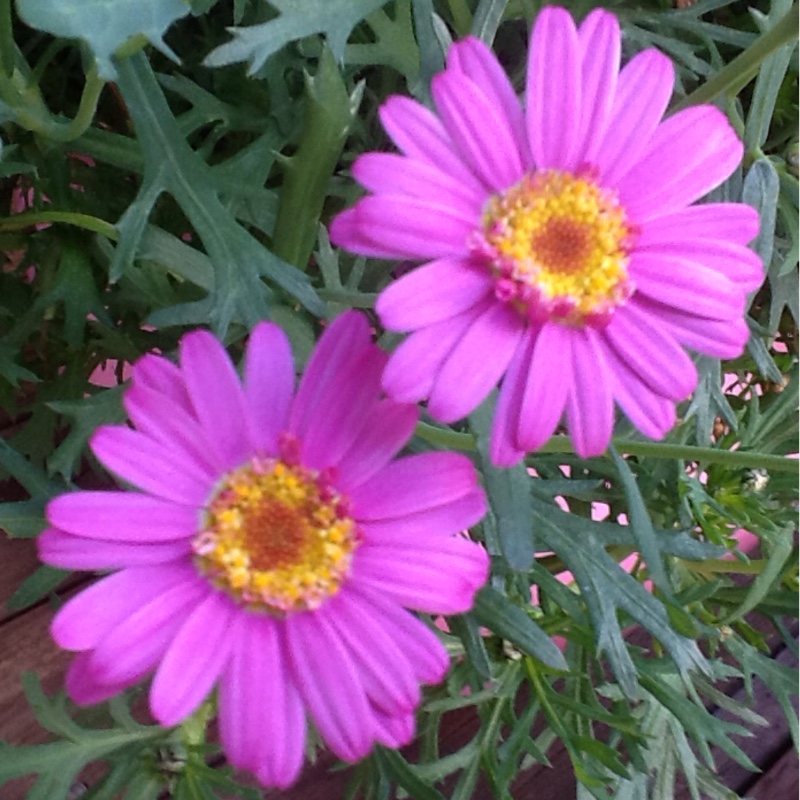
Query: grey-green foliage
x=105, y=25
x=255, y=44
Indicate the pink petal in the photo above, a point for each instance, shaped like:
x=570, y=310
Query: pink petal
x=432, y=293
x=414, y=483
x=730, y=222
x=122, y=516
x=737, y=263
x=716, y=338
x=346, y=340
x=546, y=387
x=420, y=135
x=414, y=365
x=60, y=549
x=217, y=397
x=643, y=91
x=138, y=643
x=442, y=520
x=392, y=174
x=416, y=229
x=387, y=427
x=650, y=353
x=590, y=406
x=344, y=404
x=384, y=669
x=599, y=41
x=423, y=649
x=347, y=232
x=85, y=619
x=651, y=413
x=154, y=415
x=690, y=153
x=157, y=374
x=261, y=717
x=147, y=464
x=475, y=365
x=686, y=286
x=477, y=61
x=438, y=576
x=481, y=131
x=268, y=385
x=553, y=96
x=394, y=731
x=503, y=448
x=83, y=687
x=194, y=661
x=330, y=684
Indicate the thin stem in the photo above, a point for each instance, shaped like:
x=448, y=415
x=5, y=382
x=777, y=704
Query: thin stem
x=85, y=221
x=8, y=50
x=462, y=16
x=685, y=452
x=86, y=110
x=745, y=66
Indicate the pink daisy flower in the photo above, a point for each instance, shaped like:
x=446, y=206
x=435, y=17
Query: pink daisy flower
x=565, y=256
x=272, y=550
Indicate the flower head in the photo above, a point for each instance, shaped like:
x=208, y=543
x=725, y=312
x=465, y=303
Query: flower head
x=564, y=255
x=272, y=549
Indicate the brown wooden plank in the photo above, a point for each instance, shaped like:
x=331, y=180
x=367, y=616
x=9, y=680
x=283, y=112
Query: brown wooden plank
x=17, y=561
x=780, y=781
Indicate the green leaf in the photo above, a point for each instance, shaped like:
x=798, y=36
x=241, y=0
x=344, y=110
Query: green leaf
x=778, y=678
x=58, y=763
x=760, y=190
x=44, y=580
x=105, y=25
x=500, y=615
x=640, y=523
x=329, y=113
x=172, y=166
x=404, y=774
x=23, y=519
x=509, y=491
x=466, y=629
x=334, y=18
x=606, y=589
x=87, y=415
x=702, y=726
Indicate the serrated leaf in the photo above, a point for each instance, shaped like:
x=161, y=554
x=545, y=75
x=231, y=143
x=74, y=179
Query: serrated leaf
x=509, y=493
x=105, y=25
x=606, y=589
x=39, y=584
x=333, y=18
x=58, y=763
x=23, y=519
x=500, y=615
x=641, y=524
x=172, y=166
x=404, y=774
x=760, y=190
x=86, y=415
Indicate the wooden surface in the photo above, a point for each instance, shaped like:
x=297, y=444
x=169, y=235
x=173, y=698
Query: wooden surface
x=25, y=645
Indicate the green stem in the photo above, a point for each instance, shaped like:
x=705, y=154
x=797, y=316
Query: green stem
x=561, y=444
x=61, y=132
x=351, y=299
x=745, y=66
x=715, y=565
x=462, y=16
x=8, y=50
x=85, y=221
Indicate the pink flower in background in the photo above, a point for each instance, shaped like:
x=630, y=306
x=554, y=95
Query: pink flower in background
x=272, y=549
x=564, y=255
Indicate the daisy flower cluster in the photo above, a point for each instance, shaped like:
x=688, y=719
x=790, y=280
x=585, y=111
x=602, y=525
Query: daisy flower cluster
x=273, y=543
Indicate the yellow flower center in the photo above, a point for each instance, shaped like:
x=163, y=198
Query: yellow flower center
x=276, y=537
x=557, y=245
